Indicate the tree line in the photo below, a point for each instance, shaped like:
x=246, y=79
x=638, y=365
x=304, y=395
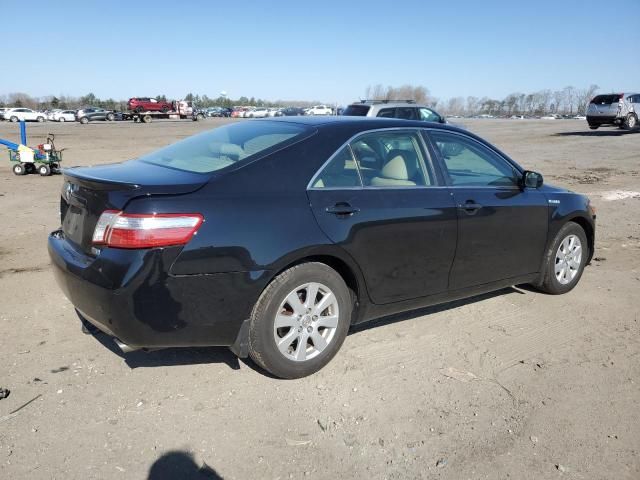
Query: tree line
x=569, y=100
x=50, y=102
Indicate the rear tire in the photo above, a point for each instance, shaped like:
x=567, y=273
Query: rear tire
x=14, y=119
x=110, y=117
x=562, y=267
x=630, y=123
x=594, y=127
x=40, y=119
x=19, y=169
x=287, y=301
x=84, y=120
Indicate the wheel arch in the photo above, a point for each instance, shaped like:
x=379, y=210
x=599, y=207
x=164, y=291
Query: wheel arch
x=589, y=231
x=342, y=264
x=333, y=258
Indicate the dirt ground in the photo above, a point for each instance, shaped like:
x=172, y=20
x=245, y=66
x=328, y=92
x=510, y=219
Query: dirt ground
x=515, y=384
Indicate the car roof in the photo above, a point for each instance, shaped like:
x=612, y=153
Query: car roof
x=365, y=123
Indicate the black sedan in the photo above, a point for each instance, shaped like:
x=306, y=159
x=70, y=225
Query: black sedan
x=274, y=237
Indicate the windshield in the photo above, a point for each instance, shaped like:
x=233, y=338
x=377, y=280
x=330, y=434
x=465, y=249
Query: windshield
x=224, y=146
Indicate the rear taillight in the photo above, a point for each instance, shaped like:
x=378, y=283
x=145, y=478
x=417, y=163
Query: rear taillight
x=132, y=230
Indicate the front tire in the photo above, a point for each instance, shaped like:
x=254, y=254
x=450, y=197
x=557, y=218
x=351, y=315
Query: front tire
x=84, y=120
x=44, y=170
x=565, y=260
x=300, y=321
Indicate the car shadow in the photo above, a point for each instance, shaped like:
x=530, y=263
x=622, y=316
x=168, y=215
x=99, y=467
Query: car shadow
x=399, y=317
x=181, y=465
x=170, y=356
x=594, y=133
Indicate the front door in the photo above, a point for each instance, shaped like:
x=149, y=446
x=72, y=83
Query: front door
x=502, y=228
x=380, y=201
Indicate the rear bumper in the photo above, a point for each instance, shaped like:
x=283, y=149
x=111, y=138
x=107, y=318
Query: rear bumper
x=129, y=294
x=604, y=120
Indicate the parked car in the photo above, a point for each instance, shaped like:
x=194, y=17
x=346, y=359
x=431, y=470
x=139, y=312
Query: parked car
x=274, y=112
x=551, y=117
x=3, y=110
x=173, y=252
x=407, y=110
x=63, y=116
x=93, y=114
x=260, y=112
x=26, y=114
x=619, y=109
x=146, y=104
x=292, y=111
x=319, y=110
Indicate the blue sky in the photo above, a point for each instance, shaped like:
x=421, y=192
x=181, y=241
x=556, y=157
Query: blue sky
x=317, y=50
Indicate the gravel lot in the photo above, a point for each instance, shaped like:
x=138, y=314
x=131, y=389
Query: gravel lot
x=515, y=384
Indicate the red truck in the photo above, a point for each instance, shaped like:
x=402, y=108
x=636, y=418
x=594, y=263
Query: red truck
x=146, y=104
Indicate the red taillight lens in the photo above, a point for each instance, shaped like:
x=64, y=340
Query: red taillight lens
x=132, y=230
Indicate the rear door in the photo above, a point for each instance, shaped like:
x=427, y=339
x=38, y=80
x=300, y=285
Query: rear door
x=379, y=199
x=502, y=228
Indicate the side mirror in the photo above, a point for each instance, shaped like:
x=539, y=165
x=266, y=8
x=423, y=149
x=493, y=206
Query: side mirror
x=531, y=179
x=443, y=120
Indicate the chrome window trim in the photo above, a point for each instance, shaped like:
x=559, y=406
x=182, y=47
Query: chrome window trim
x=421, y=141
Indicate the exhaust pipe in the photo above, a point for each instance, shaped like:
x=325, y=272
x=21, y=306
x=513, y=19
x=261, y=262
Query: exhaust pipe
x=124, y=347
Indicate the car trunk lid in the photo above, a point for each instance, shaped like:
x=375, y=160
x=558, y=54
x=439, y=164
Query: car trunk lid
x=89, y=191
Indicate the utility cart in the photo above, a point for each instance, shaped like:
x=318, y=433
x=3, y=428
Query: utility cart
x=44, y=159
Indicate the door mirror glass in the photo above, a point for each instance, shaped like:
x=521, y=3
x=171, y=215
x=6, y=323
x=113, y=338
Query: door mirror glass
x=532, y=179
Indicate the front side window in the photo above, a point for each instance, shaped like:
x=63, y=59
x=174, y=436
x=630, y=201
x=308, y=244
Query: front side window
x=469, y=163
x=340, y=172
x=428, y=115
x=406, y=113
x=391, y=159
x=219, y=148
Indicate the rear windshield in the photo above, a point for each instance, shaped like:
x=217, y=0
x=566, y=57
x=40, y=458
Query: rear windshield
x=224, y=146
x=605, y=99
x=356, y=110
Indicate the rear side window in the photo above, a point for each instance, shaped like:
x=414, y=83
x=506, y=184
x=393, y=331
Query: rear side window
x=605, y=99
x=356, y=110
x=387, y=113
x=340, y=172
x=222, y=147
x=390, y=159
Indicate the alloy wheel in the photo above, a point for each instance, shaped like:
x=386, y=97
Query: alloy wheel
x=568, y=259
x=306, y=322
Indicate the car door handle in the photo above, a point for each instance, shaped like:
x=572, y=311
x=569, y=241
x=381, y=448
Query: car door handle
x=470, y=207
x=342, y=208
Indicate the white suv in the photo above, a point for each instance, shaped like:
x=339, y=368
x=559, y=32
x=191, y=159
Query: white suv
x=16, y=114
x=320, y=110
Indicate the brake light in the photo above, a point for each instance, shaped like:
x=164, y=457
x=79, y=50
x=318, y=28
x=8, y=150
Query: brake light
x=132, y=230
